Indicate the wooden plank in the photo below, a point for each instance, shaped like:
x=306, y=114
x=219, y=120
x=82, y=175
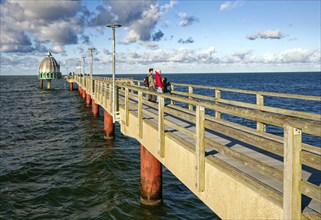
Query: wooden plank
x=200, y=148
x=140, y=114
x=190, y=93
x=274, y=94
x=311, y=216
x=282, y=111
x=161, y=127
x=292, y=173
x=311, y=160
x=126, y=106
x=263, y=168
x=311, y=190
x=218, y=97
x=260, y=102
x=110, y=98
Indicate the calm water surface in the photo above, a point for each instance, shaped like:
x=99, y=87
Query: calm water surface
x=55, y=163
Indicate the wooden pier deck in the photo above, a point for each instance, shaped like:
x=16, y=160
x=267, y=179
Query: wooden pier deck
x=220, y=148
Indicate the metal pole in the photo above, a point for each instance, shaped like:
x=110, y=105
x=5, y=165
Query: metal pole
x=83, y=65
x=113, y=70
x=113, y=26
x=91, y=71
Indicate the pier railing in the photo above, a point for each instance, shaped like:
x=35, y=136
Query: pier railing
x=203, y=116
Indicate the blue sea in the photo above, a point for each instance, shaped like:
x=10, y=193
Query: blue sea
x=55, y=163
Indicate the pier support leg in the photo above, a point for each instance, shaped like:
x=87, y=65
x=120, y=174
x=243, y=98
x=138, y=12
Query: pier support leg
x=151, y=178
x=109, y=126
x=49, y=84
x=94, y=108
x=71, y=87
x=41, y=84
x=88, y=100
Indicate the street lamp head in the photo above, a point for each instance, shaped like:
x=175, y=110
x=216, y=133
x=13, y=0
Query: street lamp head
x=113, y=25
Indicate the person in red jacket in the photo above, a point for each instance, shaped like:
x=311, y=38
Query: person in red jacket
x=159, y=82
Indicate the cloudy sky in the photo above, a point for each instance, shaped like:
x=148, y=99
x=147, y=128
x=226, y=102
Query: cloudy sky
x=177, y=36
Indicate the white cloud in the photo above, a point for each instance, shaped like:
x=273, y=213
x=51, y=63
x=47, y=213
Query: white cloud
x=230, y=5
x=298, y=55
x=269, y=34
x=186, y=19
x=138, y=18
x=37, y=22
x=53, y=24
x=48, y=10
x=211, y=57
x=142, y=28
x=168, y=7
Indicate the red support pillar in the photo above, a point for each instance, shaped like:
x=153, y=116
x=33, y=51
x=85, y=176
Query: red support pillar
x=83, y=94
x=88, y=100
x=151, y=178
x=71, y=87
x=94, y=108
x=41, y=84
x=109, y=126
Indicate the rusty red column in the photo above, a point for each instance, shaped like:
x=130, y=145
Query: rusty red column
x=109, y=126
x=41, y=84
x=151, y=178
x=94, y=108
x=71, y=87
x=83, y=94
x=88, y=100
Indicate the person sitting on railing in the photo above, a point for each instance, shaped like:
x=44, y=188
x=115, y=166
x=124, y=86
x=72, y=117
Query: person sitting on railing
x=159, y=83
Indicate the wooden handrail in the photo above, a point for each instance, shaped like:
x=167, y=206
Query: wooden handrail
x=308, y=127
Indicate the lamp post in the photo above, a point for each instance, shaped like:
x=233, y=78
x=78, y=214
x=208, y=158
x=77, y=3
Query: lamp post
x=83, y=65
x=114, y=26
x=91, y=70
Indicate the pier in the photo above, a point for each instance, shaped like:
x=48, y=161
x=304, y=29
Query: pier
x=219, y=148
